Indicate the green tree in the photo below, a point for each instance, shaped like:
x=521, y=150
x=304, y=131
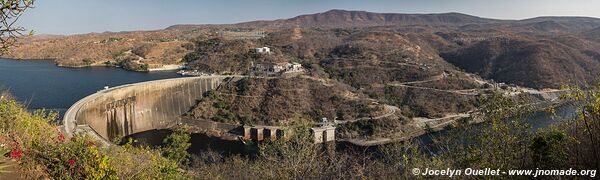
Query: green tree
x=503, y=142
x=176, y=146
x=549, y=149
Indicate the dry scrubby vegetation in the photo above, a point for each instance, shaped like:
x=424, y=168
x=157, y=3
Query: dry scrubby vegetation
x=219, y=55
x=132, y=50
x=280, y=100
x=430, y=104
x=375, y=128
x=533, y=63
x=363, y=60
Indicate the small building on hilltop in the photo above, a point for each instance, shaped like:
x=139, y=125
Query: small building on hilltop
x=263, y=50
x=270, y=68
x=324, y=131
x=294, y=67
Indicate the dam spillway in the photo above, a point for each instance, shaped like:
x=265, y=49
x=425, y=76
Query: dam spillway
x=128, y=109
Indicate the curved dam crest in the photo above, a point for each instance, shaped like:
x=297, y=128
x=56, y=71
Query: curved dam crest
x=125, y=110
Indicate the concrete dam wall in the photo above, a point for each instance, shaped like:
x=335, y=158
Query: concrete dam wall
x=125, y=110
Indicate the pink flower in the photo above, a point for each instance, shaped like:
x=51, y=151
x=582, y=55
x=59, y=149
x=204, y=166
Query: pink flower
x=71, y=162
x=61, y=137
x=16, y=154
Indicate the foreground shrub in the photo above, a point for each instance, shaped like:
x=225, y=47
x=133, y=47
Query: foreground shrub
x=143, y=163
x=177, y=145
x=43, y=152
x=584, y=148
x=79, y=158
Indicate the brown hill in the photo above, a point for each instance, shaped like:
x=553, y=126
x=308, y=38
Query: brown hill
x=534, y=63
x=364, y=59
x=593, y=34
x=573, y=22
x=543, y=26
x=278, y=101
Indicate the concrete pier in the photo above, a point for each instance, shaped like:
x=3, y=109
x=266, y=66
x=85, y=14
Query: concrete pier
x=323, y=134
x=261, y=133
x=320, y=134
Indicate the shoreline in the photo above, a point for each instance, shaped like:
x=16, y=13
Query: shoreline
x=165, y=67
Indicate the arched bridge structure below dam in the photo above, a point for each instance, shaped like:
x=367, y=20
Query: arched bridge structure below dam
x=125, y=110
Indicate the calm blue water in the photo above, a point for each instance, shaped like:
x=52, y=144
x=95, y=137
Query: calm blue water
x=40, y=84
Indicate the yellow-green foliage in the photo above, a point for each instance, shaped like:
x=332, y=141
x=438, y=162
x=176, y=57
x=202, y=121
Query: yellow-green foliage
x=25, y=128
x=176, y=146
x=143, y=163
x=79, y=158
x=584, y=150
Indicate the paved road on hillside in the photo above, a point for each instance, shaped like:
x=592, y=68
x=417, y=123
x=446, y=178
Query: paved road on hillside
x=391, y=110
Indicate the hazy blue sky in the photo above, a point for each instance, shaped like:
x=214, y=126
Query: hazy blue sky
x=83, y=16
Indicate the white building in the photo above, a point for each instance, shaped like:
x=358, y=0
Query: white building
x=276, y=68
x=263, y=50
x=268, y=67
x=294, y=67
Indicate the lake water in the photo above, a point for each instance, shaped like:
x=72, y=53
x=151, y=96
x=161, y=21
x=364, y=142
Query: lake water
x=41, y=84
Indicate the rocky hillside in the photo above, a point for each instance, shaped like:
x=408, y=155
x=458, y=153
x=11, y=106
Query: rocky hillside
x=375, y=64
x=534, y=63
x=277, y=101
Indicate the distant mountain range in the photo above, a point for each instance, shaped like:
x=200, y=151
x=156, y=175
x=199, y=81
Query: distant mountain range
x=343, y=18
